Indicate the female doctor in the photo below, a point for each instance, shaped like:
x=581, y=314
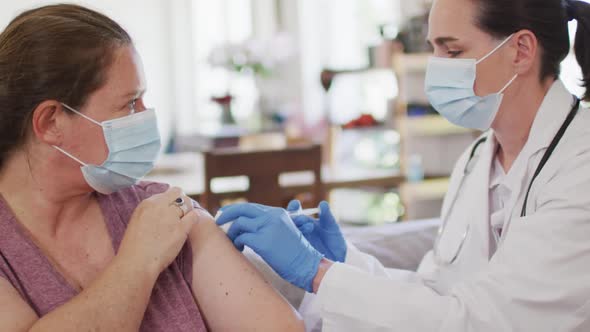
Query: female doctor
x=513, y=253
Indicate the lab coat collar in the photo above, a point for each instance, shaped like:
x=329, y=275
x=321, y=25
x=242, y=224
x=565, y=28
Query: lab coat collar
x=550, y=117
x=497, y=174
x=480, y=209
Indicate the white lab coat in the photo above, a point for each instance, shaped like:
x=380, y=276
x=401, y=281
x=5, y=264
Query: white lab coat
x=537, y=280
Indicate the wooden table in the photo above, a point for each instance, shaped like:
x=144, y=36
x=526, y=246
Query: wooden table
x=186, y=170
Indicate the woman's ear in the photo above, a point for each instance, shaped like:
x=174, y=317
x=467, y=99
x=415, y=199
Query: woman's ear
x=527, y=51
x=48, y=121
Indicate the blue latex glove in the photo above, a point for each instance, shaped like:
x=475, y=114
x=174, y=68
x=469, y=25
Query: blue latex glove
x=271, y=233
x=323, y=234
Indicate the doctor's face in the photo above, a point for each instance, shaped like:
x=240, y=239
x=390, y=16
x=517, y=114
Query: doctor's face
x=453, y=32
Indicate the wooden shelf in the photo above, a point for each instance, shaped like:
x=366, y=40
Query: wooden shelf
x=426, y=136
x=433, y=189
x=431, y=125
x=423, y=199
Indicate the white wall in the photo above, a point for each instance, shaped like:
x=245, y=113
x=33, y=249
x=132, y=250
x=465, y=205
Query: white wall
x=414, y=8
x=150, y=24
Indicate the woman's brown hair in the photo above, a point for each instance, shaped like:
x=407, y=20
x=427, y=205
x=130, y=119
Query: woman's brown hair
x=58, y=52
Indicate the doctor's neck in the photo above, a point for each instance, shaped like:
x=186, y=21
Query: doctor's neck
x=517, y=113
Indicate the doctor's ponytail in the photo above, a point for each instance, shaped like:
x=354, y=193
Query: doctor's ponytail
x=580, y=11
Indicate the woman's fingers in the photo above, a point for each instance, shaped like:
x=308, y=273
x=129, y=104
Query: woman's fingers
x=188, y=221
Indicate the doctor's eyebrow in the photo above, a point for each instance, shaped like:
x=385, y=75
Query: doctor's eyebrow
x=442, y=41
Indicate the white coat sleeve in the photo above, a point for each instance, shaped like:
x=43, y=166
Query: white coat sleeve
x=536, y=281
x=371, y=265
x=310, y=308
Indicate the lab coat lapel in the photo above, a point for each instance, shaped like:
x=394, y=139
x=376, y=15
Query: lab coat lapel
x=478, y=201
x=549, y=119
x=470, y=210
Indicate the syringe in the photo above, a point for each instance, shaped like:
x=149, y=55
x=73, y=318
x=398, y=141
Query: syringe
x=292, y=214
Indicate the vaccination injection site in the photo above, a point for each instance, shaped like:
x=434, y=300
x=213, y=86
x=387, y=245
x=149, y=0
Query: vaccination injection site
x=295, y=165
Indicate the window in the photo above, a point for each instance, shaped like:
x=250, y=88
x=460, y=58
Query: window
x=336, y=34
x=216, y=23
x=327, y=33
x=571, y=73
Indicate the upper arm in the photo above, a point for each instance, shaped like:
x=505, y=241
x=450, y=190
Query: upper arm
x=231, y=293
x=15, y=313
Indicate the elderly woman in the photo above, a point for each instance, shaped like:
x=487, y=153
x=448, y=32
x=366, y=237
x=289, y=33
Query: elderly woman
x=83, y=245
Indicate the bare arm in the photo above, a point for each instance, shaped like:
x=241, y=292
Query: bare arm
x=15, y=313
x=114, y=302
x=231, y=293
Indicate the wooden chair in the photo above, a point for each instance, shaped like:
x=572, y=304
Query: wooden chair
x=263, y=169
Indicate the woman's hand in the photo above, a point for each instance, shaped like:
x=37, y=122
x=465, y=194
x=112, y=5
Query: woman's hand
x=157, y=231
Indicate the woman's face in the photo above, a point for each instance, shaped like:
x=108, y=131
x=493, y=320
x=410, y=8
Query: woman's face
x=121, y=95
x=453, y=34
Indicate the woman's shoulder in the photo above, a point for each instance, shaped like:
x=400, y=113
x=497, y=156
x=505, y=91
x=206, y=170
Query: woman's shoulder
x=123, y=202
x=147, y=189
x=137, y=193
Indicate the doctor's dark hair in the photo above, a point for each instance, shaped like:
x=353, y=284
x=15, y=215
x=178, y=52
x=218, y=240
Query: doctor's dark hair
x=547, y=19
x=58, y=52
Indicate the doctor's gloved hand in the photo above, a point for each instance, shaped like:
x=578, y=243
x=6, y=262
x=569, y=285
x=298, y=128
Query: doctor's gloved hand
x=271, y=233
x=324, y=234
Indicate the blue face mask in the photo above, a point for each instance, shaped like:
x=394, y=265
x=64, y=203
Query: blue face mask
x=134, y=145
x=449, y=88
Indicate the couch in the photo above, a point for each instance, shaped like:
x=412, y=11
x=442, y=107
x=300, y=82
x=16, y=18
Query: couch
x=400, y=245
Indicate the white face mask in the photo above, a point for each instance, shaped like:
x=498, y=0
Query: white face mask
x=134, y=145
x=450, y=89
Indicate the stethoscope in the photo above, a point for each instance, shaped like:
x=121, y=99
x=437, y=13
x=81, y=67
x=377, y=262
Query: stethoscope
x=473, y=157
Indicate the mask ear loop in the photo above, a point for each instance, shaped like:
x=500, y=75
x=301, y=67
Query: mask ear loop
x=82, y=115
x=495, y=49
x=508, y=84
x=69, y=155
x=64, y=151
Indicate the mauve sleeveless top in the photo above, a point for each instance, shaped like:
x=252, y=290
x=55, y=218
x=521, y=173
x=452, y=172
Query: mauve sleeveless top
x=171, y=307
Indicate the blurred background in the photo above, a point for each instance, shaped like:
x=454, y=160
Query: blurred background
x=269, y=100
